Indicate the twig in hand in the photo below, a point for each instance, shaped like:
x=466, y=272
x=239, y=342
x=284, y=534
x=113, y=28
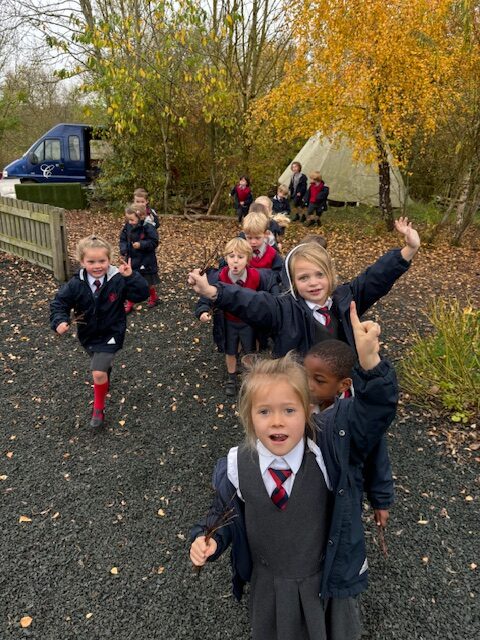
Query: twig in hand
x=381, y=540
x=210, y=259
x=78, y=319
x=225, y=519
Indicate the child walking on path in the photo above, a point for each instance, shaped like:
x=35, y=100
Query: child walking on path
x=138, y=242
x=97, y=294
x=242, y=197
x=316, y=199
x=297, y=188
x=255, y=227
x=329, y=366
x=315, y=309
x=140, y=198
x=228, y=330
x=304, y=579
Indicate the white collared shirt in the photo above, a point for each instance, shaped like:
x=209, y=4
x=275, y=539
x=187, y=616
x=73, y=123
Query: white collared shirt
x=91, y=282
x=241, y=276
x=261, y=250
x=319, y=317
x=266, y=459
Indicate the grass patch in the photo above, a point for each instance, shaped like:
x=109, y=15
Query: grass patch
x=443, y=368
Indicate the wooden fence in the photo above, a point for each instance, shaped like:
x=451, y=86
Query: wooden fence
x=36, y=233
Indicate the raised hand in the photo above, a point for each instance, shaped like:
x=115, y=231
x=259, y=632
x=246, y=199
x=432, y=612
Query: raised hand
x=412, y=239
x=125, y=268
x=205, y=317
x=366, y=336
x=200, y=285
x=200, y=550
x=62, y=328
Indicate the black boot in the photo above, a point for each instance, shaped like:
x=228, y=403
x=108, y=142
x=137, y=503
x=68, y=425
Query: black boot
x=231, y=386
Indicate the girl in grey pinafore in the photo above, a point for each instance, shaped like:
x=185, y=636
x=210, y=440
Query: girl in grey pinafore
x=287, y=548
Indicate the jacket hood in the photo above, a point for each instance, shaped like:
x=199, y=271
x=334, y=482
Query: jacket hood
x=287, y=269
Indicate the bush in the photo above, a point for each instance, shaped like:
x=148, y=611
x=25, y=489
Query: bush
x=444, y=367
x=66, y=195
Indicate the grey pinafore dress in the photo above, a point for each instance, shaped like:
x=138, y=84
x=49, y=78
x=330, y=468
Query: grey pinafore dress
x=287, y=550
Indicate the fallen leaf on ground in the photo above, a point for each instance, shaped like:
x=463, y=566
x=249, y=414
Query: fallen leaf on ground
x=25, y=622
x=24, y=519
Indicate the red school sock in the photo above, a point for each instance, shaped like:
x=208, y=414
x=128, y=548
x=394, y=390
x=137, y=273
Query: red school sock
x=99, y=393
x=153, y=294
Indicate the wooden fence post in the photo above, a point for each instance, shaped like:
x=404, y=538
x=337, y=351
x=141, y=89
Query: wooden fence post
x=59, y=250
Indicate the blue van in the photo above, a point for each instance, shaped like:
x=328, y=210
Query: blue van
x=63, y=154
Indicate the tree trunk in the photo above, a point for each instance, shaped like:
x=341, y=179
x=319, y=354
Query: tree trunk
x=385, y=201
x=166, y=165
x=465, y=212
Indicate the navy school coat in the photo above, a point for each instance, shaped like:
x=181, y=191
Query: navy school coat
x=144, y=259
x=102, y=317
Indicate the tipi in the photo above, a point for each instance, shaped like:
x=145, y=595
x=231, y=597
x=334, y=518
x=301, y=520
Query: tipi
x=349, y=181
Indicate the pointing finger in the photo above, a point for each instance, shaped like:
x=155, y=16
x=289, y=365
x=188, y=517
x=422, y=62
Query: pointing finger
x=354, y=316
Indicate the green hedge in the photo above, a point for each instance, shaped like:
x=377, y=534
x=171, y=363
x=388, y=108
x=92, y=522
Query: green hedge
x=66, y=196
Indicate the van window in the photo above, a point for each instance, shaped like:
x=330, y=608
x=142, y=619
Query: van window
x=74, y=147
x=47, y=150
x=52, y=150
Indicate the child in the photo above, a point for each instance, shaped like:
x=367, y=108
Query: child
x=316, y=199
x=304, y=577
x=280, y=202
x=329, y=366
x=97, y=294
x=138, y=241
x=140, y=197
x=315, y=309
x=242, y=197
x=228, y=330
x=297, y=188
x=276, y=223
x=255, y=228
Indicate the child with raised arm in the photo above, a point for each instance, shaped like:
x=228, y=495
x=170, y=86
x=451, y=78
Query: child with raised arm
x=97, y=294
x=315, y=308
x=229, y=331
x=139, y=241
x=329, y=366
x=304, y=579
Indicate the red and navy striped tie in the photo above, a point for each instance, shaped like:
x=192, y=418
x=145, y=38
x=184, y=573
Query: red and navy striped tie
x=279, y=495
x=325, y=312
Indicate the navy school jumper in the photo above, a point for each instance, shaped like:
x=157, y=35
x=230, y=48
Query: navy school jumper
x=345, y=435
x=102, y=316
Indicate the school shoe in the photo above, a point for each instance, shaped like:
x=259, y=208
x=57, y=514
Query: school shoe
x=129, y=306
x=231, y=386
x=153, y=300
x=98, y=418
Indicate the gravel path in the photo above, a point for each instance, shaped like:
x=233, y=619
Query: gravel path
x=125, y=499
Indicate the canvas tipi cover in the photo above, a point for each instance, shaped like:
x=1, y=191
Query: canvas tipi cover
x=349, y=181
